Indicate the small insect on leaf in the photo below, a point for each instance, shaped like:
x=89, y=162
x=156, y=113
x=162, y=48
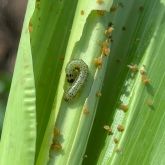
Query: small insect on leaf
x=116, y=141
x=56, y=132
x=108, y=31
x=123, y=107
x=108, y=34
x=120, y=128
x=143, y=71
x=98, y=94
x=85, y=110
x=105, y=48
x=98, y=62
x=82, y=12
x=100, y=2
x=145, y=80
x=149, y=102
x=108, y=129
x=144, y=77
x=118, y=150
x=133, y=68
x=56, y=146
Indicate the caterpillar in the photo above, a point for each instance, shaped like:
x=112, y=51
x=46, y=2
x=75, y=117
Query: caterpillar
x=76, y=74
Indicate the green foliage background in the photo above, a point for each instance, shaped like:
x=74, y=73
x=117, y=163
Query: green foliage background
x=60, y=32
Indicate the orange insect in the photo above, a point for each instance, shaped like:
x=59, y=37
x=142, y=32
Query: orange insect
x=144, y=77
x=123, y=107
x=98, y=94
x=98, y=62
x=120, y=128
x=105, y=48
x=56, y=146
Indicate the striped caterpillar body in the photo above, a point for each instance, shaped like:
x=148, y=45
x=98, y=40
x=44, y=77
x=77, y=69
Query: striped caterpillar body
x=76, y=74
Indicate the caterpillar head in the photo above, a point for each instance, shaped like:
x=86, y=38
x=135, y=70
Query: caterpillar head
x=72, y=75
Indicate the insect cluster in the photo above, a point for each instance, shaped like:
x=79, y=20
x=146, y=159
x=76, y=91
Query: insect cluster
x=105, y=46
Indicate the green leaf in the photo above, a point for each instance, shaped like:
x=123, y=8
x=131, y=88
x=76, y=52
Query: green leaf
x=84, y=43
x=50, y=28
x=138, y=39
x=19, y=128
x=87, y=125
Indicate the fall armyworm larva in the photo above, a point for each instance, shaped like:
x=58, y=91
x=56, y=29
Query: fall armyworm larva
x=76, y=73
